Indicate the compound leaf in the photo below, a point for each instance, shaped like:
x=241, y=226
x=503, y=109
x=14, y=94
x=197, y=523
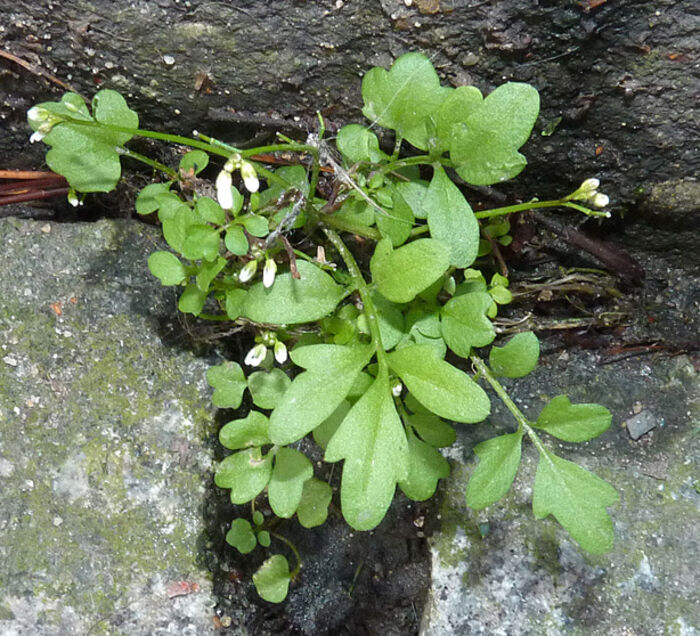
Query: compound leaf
x=493, y=476
x=272, y=579
x=577, y=499
x=291, y=300
x=517, y=357
x=242, y=433
x=465, y=323
x=245, y=473
x=312, y=510
x=451, y=220
x=315, y=394
x=229, y=384
x=292, y=469
x=372, y=441
x=573, y=422
x=437, y=385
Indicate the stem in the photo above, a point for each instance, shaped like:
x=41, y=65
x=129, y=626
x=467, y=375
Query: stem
x=523, y=422
x=288, y=147
x=520, y=207
x=410, y=161
x=344, y=225
x=292, y=547
x=125, y=152
x=361, y=286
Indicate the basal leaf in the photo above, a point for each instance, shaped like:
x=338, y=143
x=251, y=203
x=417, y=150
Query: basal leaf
x=413, y=192
x=268, y=387
x=451, y=219
x=357, y=143
x=292, y=469
x=272, y=579
x=465, y=323
x=167, y=267
x=517, y=357
x=391, y=321
x=442, y=388
x=325, y=430
x=405, y=98
x=254, y=224
x=229, y=384
x=201, y=242
x=403, y=273
x=242, y=433
x=245, y=473
x=573, y=422
x=192, y=300
x=315, y=394
x=313, y=507
x=577, y=499
x=291, y=300
x=241, y=536
x=484, y=148
x=499, y=458
x=372, y=441
x=426, y=466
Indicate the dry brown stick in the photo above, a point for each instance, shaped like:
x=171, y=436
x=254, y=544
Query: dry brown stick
x=28, y=174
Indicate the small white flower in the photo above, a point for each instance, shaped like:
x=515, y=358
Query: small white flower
x=589, y=185
x=224, y=194
x=396, y=389
x=36, y=136
x=600, y=200
x=280, y=352
x=250, y=177
x=37, y=115
x=248, y=271
x=269, y=272
x=73, y=198
x=256, y=355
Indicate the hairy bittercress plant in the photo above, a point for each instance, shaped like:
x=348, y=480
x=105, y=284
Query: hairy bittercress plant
x=352, y=346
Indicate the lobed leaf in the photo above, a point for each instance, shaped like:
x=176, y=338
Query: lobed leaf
x=357, y=143
x=493, y=476
x=465, y=323
x=268, y=387
x=426, y=466
x=573, y=422
x=242, y=433
x=229, y=384
x=245, y=473
x=292, y=469
x=241, y=536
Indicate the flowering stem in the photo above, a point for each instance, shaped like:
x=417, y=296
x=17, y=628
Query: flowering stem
x=125, y=152
x=531, y=205
x=361, y=286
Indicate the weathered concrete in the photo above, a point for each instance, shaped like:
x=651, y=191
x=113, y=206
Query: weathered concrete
x=103, y=433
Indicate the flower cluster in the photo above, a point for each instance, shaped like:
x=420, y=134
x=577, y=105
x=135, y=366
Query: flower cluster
x=223, y=182
x=42, y=121
x=588, y=192
x=256, y=356
x=269, y=271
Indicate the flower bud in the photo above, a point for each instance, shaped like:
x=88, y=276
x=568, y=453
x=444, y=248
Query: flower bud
x=600, y=200
x=248, y=271
x=256, y=355
x=269, y=272
x=396, y=389
x=589, y=185
x=37, y=115
x=73, y=198
x=36, y=136
x=280, y=350
x=224, y=195
x=250, y=177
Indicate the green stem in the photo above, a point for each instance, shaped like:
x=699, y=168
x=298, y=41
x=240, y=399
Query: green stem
x=409, y=161
x=125, y=152
x=361, y=286
x=288, y=147
x=523, y=422
x=344, y=225
x=521, y=207
x=293, y=548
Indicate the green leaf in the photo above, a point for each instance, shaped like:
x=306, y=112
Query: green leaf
x=413, y=192
x=451, y=220
x=391, y=321
x=242, y=433
x=192, y=300
x=236, y=241
x=229, y=384
x=194, y=161
x=456, y=108
x=177, y=217
x=234, y=302
x=167, y=267
x=396, y=224
x=272, y=579
x=442, y=388
x=517, y=357
x=208, y=271
x=86, y=155
x=403, y=273
x=258, y=518
x=241, y=536
x=316, y=393
x=291, y=470
x=492, y=478
x=432, y=429
x=313, y=507
x=147, y=201
x=501, y=295
x=357, y=143
x=465, y=323
x=577, y=499
x=405, y=98
x=211, y=211
x=264, y=538
x=484, y=148
x=201, y=242
x=573, y=422
x=325, y=430
x=372, y=441
x=291, y=300
x=256, y=225
x=268, y=387
x=245, y=473
x=425, y=467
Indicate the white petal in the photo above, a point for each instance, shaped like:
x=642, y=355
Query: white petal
x=396, y=389
x=36, y=136
x=250, y=177
x=256, y=355
x=590, y=185
x=269, y=272
x=248, y=271
x=600, y=200
x=280, y=352
x=224, y=195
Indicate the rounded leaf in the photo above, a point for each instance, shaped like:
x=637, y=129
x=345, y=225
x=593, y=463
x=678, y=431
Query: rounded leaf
x=167, y=267
x=517, y=357
x=272, y=579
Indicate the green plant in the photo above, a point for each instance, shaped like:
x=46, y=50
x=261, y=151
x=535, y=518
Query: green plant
x=351, y=335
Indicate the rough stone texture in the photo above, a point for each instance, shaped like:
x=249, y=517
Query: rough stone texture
x=529, y=577
x=103, y=461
